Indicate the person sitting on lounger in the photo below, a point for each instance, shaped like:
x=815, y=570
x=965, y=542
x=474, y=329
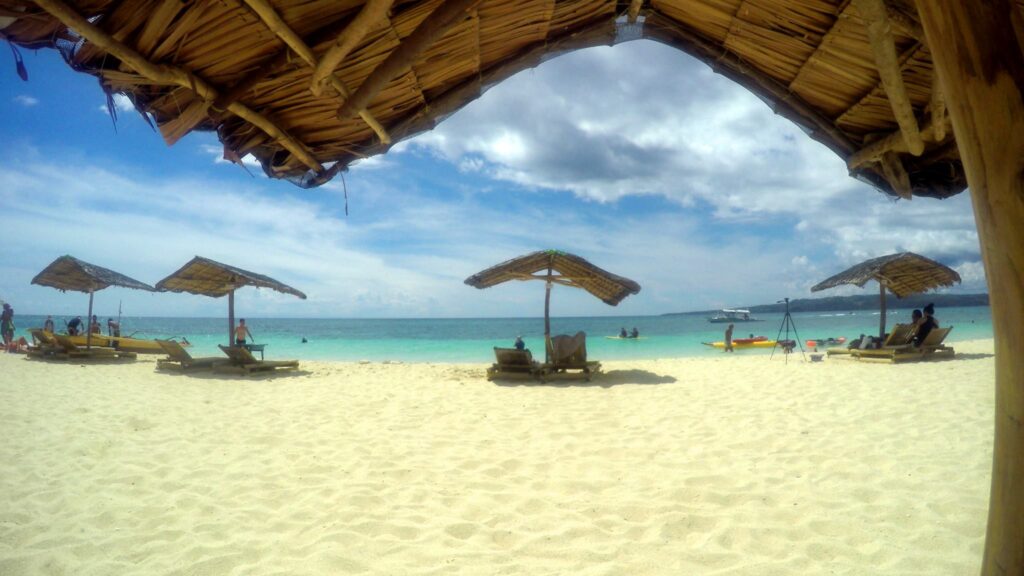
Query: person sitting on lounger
x=926, y=325
x=241, y=332
x=520, y=345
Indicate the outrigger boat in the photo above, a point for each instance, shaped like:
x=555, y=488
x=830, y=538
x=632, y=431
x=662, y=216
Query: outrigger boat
x=729, y=316
x=122, y=343
x=740, y=343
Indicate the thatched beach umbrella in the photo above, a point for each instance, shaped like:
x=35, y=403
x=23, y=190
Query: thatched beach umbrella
x=70, y=273
x=209, y=278
x=571, y=271
x=903, y=274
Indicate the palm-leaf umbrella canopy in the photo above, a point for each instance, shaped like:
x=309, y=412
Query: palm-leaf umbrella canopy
x=902, y=274
x=210, y=278
x=70, y=273
x=558, y=267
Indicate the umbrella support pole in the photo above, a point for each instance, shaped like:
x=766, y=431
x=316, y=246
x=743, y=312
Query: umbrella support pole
x=881, y=317
x=88, y=330
x=231, y=318
x=547, y=319
x=979, y=62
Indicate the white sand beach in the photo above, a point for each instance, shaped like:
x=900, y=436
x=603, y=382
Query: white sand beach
x=725, y=465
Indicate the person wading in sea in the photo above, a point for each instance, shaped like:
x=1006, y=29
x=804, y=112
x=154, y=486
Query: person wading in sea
x=728, y=339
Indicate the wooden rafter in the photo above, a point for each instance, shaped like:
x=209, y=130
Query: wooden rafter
x=893, y=142
x=273, y=20
x=373, y=12
x=822, y=46
x=896, y=174
x=174, y=75
x=878, y=89
x=432, y=28
x=938, y=108
x=634, y=10
x=876, y=18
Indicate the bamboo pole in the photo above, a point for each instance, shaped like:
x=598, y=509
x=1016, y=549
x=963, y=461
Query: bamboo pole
x=881, y=316
x=980, y=64
x=88, y=319
x=896, y=175
x=432, y=28
x=894, y=142
x=634, y=10
x=883, y=46
x=938, y=108
x=231, y=318
x=174, y=75
x=372, y=12
x=547, y=317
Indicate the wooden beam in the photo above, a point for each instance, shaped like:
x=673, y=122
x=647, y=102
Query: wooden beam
x=893, y=142
x=634, y=10
x=938, y=108
x=431, y=29
x=896, y=175
x=373, y=12
x=879, y=88
x=905, y=23
x=980, y=63
x=876, y=18
x=273, y=20
x=167, y=74
x=822, y=46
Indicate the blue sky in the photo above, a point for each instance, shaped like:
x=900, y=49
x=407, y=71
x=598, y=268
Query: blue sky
x=635, y=157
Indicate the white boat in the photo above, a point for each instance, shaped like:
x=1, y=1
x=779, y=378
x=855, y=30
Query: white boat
x=728, y=315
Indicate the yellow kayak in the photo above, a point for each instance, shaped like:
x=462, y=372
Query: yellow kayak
x=741, y=345
x=123, y=343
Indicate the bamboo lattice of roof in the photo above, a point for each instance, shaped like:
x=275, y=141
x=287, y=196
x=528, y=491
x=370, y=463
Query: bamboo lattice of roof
x=903, y=274
x=209, y=278
x=70, y=273
x=571, y=271
x=309, y=86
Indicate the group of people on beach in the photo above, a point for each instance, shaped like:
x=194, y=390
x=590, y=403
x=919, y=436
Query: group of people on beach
x=922, y=322
x=74, y=326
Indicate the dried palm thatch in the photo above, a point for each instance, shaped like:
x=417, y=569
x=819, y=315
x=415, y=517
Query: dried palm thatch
x=902, y=274
x=70, y=273
x=571, y=271
x=210, y=278
x=309, y=86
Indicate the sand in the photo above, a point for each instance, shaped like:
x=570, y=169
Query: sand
x=724, y=465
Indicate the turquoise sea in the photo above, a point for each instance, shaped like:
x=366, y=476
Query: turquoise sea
x=472, y=339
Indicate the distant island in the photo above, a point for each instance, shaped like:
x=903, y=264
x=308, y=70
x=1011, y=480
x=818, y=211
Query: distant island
x=859, y=302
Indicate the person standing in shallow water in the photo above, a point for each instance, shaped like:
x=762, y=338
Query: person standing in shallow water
x=519, y=344
x=728, y=339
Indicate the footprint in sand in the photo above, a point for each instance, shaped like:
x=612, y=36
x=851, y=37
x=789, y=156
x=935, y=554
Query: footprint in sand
x=462, y=530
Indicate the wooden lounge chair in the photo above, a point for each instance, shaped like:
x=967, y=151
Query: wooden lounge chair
x=569, y=353
x=932, y=348
x=510, y=361
x=179, y=359
x=66, y=350
x=901, y=335
x=241, y=361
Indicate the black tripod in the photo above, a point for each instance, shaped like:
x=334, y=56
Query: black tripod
x=787, y=344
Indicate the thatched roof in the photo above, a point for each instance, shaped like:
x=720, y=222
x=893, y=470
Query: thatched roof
x=308, y=86
x=903, y=274
x=571, y=271
x=209, y=278
x=70, y=273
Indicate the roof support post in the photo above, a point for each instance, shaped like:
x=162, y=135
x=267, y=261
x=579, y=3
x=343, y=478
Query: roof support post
x=547, y=318
x=884, y=48
x=373, y=11
x=231, y=318
x=173, y=75
x=980, y=64
x=881, y=315
x=431, y=29
x=88, y=319
x=278, y=26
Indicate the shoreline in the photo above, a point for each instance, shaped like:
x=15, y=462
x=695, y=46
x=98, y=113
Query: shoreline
x=726, y=465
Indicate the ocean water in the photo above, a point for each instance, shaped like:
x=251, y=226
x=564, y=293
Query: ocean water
x=472, y=339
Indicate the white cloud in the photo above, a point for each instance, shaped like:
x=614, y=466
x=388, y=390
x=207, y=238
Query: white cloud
x=26, y=100
x=122, y=104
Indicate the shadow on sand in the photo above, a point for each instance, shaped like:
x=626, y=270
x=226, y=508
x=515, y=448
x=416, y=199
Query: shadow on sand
x=603, y=379
x=973, y=356
x=261, y=375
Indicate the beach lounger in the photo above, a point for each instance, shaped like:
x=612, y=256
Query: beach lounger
x=241, y=361
x=65, y=349
x=512, y=362
x=45, y=344
x=569, y=353
x=901, y=335
x=179, y=359
x=932, y=348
